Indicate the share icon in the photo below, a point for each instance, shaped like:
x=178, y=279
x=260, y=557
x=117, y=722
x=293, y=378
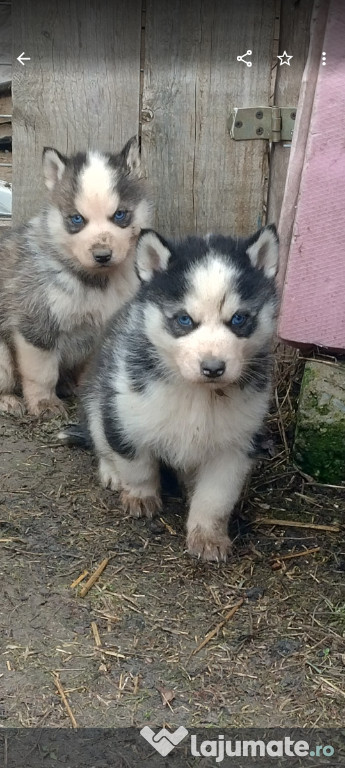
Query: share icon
x=241, y=58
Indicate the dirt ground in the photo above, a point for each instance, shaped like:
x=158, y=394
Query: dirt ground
x=279, y=660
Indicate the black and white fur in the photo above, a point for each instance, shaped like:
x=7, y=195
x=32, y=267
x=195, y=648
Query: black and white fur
x=191, y=393
x=66, y=272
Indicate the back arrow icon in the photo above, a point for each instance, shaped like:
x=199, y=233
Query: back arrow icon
x=23, y=58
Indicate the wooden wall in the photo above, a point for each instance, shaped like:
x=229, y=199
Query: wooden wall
x=103, y=71
x=202, y=178
x=80, y=89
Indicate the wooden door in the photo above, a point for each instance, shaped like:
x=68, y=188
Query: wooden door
x=101, y=72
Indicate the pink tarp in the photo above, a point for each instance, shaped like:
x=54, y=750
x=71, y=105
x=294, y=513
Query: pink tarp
x=313, y=301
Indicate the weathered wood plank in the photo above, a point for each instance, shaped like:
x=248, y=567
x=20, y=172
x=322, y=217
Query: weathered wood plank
x=202, y=179
x=294, y=39
x=80, y=89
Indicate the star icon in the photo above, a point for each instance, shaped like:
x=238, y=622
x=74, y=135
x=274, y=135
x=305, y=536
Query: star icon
x=285, y=59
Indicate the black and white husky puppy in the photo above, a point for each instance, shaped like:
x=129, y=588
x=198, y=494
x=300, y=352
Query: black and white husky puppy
x=184, y=375
x=66, y=272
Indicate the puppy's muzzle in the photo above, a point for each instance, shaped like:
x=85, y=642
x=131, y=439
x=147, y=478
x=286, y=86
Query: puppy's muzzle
x=212, y=368
x=102, y=255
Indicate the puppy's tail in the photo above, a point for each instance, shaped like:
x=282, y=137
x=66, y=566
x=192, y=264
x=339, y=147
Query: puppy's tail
x=75, y=434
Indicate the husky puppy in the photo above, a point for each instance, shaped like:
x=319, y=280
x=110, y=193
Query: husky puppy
x=183, y=377
x=66, y=272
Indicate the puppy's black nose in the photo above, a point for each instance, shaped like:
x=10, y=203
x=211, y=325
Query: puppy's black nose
x=212, y=367
x=102, y=255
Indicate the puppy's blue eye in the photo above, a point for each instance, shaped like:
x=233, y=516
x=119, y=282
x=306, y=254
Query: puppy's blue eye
x=238, y=319
x=185, y=321
x=77, y=219
x=120, y=215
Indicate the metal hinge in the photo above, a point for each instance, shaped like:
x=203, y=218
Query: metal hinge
x=272, y=123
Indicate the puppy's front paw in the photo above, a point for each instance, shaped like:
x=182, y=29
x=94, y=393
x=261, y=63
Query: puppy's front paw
x=47, y=408
x=208, y=545
x=136, y=506
x=12, y=404
x=108, y=475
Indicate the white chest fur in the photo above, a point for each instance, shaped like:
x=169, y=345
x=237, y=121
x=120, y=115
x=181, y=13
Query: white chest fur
x=186, y=424
x=72, y=303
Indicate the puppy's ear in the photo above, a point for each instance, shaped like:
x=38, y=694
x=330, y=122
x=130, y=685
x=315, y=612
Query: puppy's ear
x=263, y=250
x=152, y=255
x=131, y=157
x=54, y=165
